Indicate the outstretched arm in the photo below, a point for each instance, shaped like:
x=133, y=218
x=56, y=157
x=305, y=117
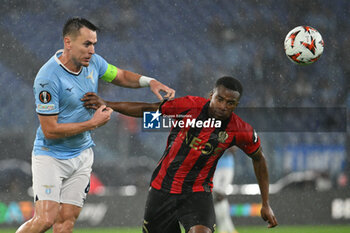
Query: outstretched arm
x=130, y=79
x=134, y=109
x=261, y=173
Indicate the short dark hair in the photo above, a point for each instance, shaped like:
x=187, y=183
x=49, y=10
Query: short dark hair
x=230, y=83
x=73, y=25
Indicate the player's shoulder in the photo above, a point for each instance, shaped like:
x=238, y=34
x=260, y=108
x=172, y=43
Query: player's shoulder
x=96, y=56
x=185, y=103
x=195, y=100
x=238, y=123
x=48, y=70
x=97, y=59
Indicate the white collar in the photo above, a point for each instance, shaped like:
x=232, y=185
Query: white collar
x=63, y=66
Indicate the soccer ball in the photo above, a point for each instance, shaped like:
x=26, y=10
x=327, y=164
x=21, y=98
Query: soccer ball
x=303, y=45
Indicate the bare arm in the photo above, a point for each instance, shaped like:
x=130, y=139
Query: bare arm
x=130, y=79
x=262, y=176
x=126, y=78
x=54, y=130
x=134, y=109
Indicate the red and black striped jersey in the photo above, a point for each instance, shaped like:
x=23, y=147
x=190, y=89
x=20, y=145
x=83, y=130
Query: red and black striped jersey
x=189, y=160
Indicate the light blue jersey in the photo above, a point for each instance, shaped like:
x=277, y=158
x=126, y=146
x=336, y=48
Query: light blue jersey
x=226, y=161
x=58, y=91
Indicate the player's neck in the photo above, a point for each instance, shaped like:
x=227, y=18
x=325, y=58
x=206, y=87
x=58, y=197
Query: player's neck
x=68, y=63
x=210, y=113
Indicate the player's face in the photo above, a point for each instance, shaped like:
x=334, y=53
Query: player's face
x=83, y=47
x=222, y=102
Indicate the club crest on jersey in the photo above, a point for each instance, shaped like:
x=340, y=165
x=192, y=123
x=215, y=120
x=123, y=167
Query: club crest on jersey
x=222, y=136
x=45, y=97
x=48, y=188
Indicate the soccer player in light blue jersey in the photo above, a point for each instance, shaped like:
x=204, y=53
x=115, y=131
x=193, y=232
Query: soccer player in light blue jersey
x=223, y=177
x=62, y=156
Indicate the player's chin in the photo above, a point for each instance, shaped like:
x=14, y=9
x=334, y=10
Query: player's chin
x=85, y=63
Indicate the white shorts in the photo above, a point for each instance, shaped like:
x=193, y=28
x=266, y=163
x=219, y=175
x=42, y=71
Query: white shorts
x=222, y=178
x=62, y=180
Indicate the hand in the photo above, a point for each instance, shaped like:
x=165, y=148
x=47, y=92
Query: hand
x=92, y=100
x=101, y=116
x=268, y=215
x=157, y=87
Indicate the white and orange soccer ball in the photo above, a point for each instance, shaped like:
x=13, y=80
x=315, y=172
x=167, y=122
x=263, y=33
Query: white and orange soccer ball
x=303, y=45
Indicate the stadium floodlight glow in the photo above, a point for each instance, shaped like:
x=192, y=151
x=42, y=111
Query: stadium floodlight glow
x=128, y=190
x=250, y=189
x=229, y=189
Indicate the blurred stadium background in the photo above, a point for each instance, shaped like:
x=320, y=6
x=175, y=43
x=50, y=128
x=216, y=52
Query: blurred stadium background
x=188, y=45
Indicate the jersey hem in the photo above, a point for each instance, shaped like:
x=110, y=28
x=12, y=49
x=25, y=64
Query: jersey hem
x=49, y=114
x=256, y=151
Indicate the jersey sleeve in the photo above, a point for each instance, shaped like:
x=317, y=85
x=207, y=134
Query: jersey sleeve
x=106, y=71
x=248, y=140
x=178, y=106
x=46, y=93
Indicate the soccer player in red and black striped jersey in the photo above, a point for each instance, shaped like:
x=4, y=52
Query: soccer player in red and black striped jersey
x=181, y=184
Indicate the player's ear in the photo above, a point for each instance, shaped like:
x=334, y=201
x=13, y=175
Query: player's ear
x=67, y=42
x=211, y=94
x=238, y=101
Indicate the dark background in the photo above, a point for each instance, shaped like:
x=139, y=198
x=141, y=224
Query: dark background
x=186, y=45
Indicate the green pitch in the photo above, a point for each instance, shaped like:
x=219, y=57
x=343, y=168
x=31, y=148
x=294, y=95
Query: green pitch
x=296, y=229
x=260, y=229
